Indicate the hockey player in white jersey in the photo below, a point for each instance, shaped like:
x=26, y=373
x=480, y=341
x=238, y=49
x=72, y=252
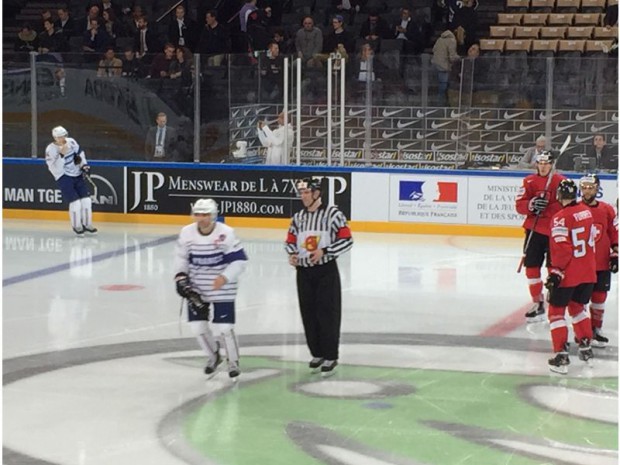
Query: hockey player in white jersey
x=67, y=163
x=208, y=262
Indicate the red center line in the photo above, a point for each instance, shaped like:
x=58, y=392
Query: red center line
x=507, y=324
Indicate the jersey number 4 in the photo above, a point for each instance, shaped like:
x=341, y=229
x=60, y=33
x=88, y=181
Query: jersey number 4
x=580, y=242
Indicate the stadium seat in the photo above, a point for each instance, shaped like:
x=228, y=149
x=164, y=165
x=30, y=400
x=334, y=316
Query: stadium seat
x=502, y=32
x=544, y=46
x=572, y=46
x=507, y=19
x=567, y=6
x=592, y=6
x=605, y=33
x=535, y=19
x=598, y=46
x=518, y=45
x=526, y=32
x=490, y=45
x=587, y=19
x=560, y=19
x=542, y=5
x=580, y=32
x=553, y=32
x=517, y=5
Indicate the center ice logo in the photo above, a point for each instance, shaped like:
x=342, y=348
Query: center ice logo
x=428, y=191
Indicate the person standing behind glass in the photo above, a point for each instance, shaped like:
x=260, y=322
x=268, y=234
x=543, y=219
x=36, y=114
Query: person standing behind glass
x=161, y=141
x=444, y=55
x=602, y=154
x=275, y=141
x=529, y=158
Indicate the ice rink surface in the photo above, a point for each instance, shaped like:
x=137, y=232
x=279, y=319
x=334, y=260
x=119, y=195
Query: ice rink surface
x=437, y=364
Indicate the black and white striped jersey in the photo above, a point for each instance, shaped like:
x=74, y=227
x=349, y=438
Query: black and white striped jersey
x=326, y=228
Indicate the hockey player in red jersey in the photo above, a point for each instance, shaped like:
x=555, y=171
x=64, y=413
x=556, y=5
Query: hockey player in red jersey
x=537, y=201
x=572, y=275
x=606, y=239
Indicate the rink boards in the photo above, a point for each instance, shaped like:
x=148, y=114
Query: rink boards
x=374, y=199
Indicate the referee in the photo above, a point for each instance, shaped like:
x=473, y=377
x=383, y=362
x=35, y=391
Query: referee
x=317, y=236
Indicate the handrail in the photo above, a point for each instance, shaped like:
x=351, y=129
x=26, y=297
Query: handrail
x=169, y=10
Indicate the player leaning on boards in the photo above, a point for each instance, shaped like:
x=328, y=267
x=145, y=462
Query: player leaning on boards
x=67, y=163
x=318, y=234
x=571, y=277
x=536, y=200
x=208, y=262
x=606, y=239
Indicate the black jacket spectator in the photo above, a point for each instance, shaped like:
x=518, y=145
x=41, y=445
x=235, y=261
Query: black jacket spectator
x=65, y=23
x=27, y=40
x=132, y=67
x=214, y=40
x=51, y=40
x=97, y=39
x=419, y=33
x=333, y=39
x=151, y=41
x=183, y=30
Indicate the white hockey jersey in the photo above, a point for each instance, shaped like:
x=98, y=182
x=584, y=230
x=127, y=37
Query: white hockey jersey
x=59, y=165
x=204, y=258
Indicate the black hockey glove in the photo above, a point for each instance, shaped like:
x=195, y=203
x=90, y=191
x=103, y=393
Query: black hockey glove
x=184, y=289
x=554, y=279
x=86, y=169
x=613, y=262
x=77, y=159
x=538, y=204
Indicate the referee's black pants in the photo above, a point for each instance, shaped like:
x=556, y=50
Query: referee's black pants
x=318, y=290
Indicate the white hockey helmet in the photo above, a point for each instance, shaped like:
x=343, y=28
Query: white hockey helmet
x=205, y=207
x=59, y=131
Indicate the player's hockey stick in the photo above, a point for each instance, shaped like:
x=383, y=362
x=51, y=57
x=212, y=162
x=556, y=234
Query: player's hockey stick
x=551, y=173
x=91, y=182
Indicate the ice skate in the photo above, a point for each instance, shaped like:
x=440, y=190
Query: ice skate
x=559, y=363
x=585, y=351
x=328, y=367
x=79, y=232
x=90, y=229
x=598, y=340
x=233, y=370
x=213, y=364
x=315, y=364
x=536, y=314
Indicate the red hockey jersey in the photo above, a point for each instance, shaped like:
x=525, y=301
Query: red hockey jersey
x=534, y=186
x=572, y=245
x=606, y=232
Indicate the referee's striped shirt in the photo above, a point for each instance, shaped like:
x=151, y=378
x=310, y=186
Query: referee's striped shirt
x=326, y=228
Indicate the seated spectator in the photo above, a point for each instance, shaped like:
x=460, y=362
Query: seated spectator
x=374, y=29
x=611, y=15
x=342, y=7
x=338, y=35
x=26, y=39
x=51, y=40
x=603, y=155
x=271, y=70
x=183, y=31
x=286, y=45
x=65, y=23
x=145, y=41
x=419, y=33
x=131, y=21
x=46, y=15
x=181, y=67
x=114, y=7
x=96, y=40
x=308, y=41
x=528, y=161
x=214, y=40
x=362, y=65
x=161, y=63
x=112, y=26
x=85, y=24
x=132, y=67
x=109, y=66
